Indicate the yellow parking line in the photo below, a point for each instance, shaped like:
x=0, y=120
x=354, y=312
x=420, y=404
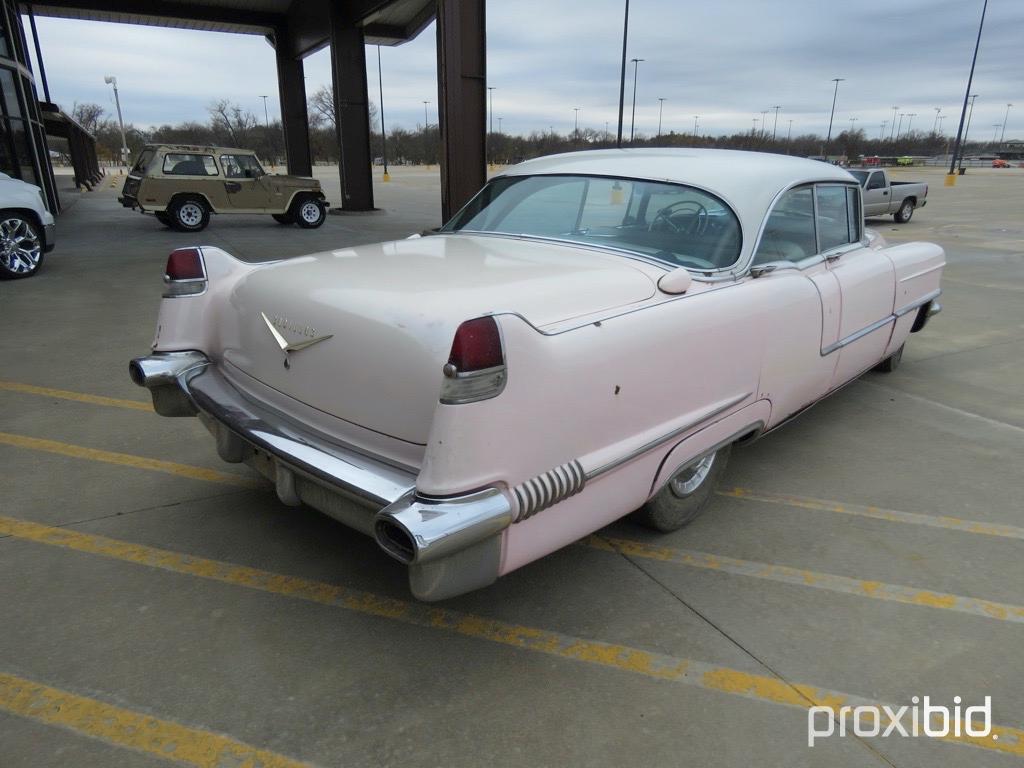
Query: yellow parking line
x=876, y=590
x=125, y=460
x=877, y=513
x=649, y=664
x=63, y=394
x=133, y=730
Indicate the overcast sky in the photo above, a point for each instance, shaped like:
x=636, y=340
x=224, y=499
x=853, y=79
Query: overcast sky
x=725, y=61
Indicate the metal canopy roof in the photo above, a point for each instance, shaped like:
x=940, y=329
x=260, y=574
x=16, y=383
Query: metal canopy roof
x=384, y=22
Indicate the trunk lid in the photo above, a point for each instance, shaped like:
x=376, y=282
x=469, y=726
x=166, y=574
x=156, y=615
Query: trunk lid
x=370, y=327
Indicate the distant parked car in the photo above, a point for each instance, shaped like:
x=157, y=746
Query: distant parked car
x=183, y=184
x=589, y=336
x=905, y=160
x=883, y=196
x=1000, y=163
x=26, y=228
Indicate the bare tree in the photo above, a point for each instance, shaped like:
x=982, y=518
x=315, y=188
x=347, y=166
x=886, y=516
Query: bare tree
x=231, y=121
x=322, y=108
x=88, y=115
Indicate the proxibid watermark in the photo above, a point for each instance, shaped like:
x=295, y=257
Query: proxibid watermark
x=917, y=718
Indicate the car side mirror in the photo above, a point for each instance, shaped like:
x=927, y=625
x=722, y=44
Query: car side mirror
x=675, y=282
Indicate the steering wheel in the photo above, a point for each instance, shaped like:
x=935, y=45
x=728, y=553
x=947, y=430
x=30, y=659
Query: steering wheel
x=697, y=225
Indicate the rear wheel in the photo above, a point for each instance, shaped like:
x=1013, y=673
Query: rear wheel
x=309, y=212
x=283, y=218
x=902, y=216
x=189, y=214
x=685, y=495
x=21, y=247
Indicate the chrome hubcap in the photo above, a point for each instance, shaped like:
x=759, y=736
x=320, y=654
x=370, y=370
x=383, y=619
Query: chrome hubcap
x=190, y=214
x=20, y=249
x=690, y=478
x=310, y=213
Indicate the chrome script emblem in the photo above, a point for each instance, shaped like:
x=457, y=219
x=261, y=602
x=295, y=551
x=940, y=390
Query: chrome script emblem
x=294, y=346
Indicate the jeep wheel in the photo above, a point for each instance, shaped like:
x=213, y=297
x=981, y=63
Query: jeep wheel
x=685, y=495
x=283, y=218
x=308, y=212
x=189, y=214
x=21, y=248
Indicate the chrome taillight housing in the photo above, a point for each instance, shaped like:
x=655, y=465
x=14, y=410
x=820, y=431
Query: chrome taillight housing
x=185, y=274
x=476, y=367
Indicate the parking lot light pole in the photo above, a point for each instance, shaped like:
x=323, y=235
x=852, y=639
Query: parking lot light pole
x=632, y=120
x=852, y=121
x=881, y=132
x=622, y=76
x=764, y=123
x=900, y=128
x=111, y=80
x=936, y=121
x=661, y=107
x=775, y=126
x=696, y=120
x=995, y=135
x=426, y=120
x=910, y=122
x=835, y=95
x=266, y=114
x=490, y=117
x=967, y=91
x=1006, y=117
x=967, y=131
x=383, y=134
x=892, y=130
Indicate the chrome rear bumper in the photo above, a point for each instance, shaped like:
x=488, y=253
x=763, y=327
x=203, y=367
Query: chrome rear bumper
x=451, y=544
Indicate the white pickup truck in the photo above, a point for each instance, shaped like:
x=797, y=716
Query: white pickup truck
x=26, y=228
x=883, y=196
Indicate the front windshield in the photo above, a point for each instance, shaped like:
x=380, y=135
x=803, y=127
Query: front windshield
x=675, y=224
x=861, y=176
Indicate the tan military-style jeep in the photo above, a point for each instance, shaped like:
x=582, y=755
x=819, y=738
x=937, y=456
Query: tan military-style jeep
x=183, y=184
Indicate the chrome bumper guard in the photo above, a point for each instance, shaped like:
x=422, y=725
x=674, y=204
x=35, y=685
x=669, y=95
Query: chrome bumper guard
x=306, y=467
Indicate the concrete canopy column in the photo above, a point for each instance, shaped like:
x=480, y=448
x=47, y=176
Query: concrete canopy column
x=291, y=86
x=351, y=109
x=462, y=91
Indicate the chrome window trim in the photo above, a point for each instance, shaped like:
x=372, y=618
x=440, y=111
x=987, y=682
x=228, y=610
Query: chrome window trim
x=820, y=256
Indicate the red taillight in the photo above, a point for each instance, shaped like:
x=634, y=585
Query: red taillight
x=477, y=346
x=185, y=264
x=476, y=367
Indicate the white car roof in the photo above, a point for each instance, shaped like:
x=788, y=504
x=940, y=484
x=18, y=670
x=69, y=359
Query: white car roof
x=747, y=181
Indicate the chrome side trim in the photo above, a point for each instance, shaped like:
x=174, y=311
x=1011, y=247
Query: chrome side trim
x=915, y=304
x=857, y=335
x=846, y=341
x=708, y=413
x=548, y=488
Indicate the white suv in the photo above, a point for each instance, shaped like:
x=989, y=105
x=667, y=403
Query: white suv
x=26, y=228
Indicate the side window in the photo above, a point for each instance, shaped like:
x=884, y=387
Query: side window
x=180, y=164
x=789, y=232
x=877, y=180
x=241, y=166
x=834, y=216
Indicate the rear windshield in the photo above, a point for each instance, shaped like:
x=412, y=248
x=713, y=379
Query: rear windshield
x=189, y=165
x=143, y=162
x=673, y=223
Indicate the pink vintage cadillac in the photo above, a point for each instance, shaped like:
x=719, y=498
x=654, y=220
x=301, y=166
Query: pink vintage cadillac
x=586, y=339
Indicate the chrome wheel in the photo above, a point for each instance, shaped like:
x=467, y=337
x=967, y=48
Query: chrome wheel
x=20, y=249
x=310, y=212
x=190, y=214
x=690, y=478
